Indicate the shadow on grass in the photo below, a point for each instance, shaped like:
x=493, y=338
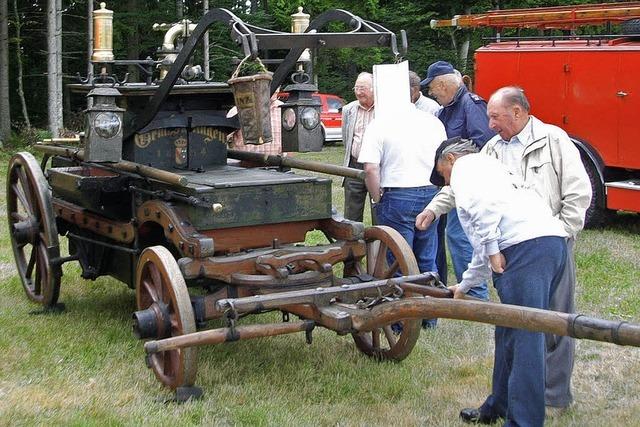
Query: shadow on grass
x=624, y=222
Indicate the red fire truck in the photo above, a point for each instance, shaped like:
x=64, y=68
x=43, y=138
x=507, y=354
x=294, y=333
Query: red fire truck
x=587, y=85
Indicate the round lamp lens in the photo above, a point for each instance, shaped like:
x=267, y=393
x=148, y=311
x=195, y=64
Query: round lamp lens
x=310, y=117
x=288, y=119
x=107, y=124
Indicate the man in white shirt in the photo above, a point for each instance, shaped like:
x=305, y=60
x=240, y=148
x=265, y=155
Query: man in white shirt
x=514, y=234
x=397, y=153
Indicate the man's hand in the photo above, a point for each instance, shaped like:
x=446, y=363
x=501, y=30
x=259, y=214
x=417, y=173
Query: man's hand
x=425, y=219
x=457, y=292
x=498, y=262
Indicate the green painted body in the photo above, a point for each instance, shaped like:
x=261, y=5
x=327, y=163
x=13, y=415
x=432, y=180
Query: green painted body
x=255, y=196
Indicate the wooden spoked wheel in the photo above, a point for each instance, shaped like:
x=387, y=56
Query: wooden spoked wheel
x=32, y=229
x=160, y=286
x=391, y=342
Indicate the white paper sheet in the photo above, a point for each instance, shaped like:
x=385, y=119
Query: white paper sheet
x=391, y=90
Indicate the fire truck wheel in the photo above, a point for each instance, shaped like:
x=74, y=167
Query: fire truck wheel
x=596, y=214
x=393, y=341
x=630, y=27
x=159, y=283
x=32, y=229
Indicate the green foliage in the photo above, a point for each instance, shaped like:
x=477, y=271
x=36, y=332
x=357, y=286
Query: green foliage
x=25, y=137
x=250, y=67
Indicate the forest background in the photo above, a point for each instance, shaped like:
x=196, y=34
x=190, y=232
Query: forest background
x=43, y=46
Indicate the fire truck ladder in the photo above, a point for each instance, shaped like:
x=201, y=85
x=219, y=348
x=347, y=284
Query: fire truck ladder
x=559, y=17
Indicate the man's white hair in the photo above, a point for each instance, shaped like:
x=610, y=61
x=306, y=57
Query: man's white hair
x=459, y=148
x=454, y=79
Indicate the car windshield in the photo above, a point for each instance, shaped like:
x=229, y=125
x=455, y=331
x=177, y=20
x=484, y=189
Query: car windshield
x=334, y=104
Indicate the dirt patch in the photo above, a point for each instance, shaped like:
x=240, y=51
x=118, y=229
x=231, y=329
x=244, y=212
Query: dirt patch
x=7, y=270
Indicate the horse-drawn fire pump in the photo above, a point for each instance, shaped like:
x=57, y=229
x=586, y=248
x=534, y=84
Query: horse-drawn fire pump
x=148, y=197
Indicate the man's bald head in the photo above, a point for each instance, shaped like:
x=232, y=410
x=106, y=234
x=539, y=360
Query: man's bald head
x=508, y=111
x=510, y=96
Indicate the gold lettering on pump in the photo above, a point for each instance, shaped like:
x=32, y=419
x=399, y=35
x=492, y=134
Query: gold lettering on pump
x=143, y=140
x=210, y=134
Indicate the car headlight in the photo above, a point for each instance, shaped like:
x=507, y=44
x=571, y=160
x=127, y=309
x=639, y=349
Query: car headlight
x=288, y=119
x=107, y=124
x=310, y=118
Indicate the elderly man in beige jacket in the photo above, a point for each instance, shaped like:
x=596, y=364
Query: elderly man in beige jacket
x=543, y=158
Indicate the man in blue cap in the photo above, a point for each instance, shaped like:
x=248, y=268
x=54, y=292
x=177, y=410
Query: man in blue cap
x=464, y=114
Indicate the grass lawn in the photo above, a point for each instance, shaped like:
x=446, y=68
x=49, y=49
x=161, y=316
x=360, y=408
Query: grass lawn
x=83, y=366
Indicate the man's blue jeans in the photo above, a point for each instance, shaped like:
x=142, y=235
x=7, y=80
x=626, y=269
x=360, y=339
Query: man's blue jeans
x=398, y=209
x=461, y=253
x=534, y=268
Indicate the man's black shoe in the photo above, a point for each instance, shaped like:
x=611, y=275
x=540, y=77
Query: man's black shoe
x=474, y=416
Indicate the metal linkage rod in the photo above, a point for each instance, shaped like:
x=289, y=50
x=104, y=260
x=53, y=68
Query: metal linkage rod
x=275, y=160
x=123, y=165
x=321, y=296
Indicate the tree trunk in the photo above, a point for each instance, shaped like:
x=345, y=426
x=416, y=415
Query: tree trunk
x=179, y=9
x=54, y=79
x=5, y=116
x=133, y=40
x=464, y=51
x=23, y=101
x=60, y=88
x=205, y=44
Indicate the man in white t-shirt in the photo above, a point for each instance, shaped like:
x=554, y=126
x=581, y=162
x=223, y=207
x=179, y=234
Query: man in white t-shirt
x=397, y=153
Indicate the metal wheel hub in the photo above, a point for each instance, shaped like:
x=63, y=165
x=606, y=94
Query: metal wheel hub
x=154, y=322
x=25, y=232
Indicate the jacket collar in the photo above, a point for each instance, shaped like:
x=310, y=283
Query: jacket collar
x=462, y=90
x=538, y=136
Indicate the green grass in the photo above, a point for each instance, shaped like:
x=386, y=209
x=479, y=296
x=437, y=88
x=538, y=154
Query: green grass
x=83, y=366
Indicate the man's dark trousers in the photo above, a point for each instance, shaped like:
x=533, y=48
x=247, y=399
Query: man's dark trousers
x=355, y=195
x=533, y=269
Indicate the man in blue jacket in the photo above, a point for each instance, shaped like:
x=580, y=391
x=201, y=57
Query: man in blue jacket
x=464, y=114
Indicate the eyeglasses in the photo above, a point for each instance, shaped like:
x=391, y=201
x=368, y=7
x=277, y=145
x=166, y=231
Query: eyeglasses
x=360, y=88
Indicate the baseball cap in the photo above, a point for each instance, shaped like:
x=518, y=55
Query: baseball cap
x=436, y=69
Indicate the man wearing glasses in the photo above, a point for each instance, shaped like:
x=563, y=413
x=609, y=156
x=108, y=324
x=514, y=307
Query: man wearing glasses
x=355, y=118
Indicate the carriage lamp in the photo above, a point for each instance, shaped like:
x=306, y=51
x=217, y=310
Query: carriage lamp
x=301, y=130
x=103, y=126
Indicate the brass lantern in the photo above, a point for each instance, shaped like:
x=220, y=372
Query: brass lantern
x=102, y=34
x=103, y=126
x=301, y=128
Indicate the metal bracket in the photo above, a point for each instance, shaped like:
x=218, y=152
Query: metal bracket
x=363, y=34
x=184, y=394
